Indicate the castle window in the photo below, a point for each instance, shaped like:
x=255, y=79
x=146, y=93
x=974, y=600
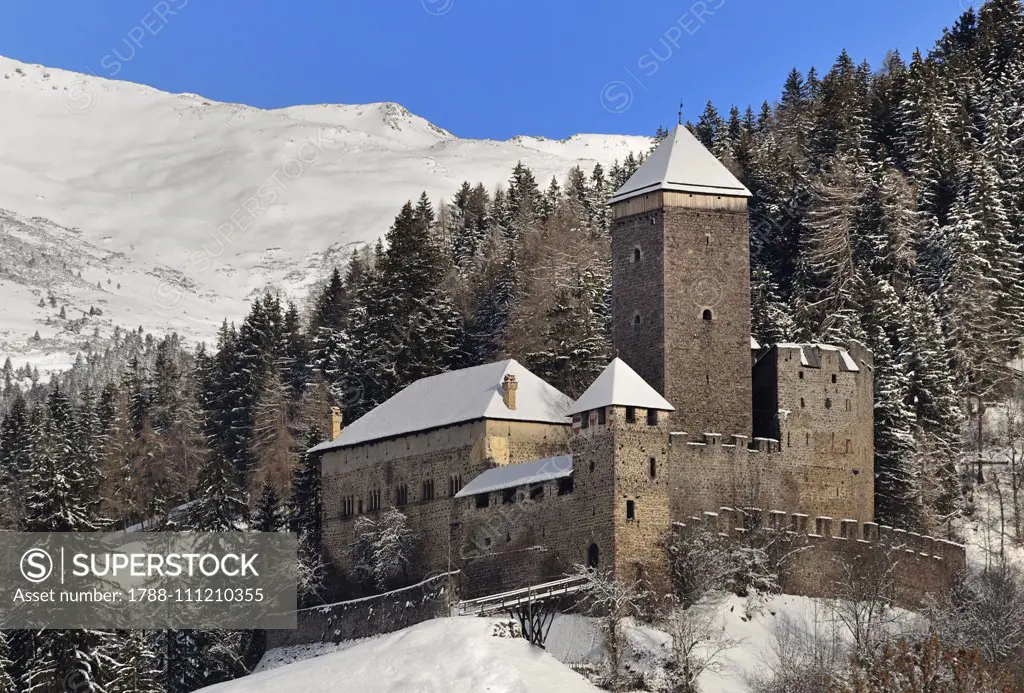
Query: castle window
x=802, y=404
x=807, y=438
x=706, y=315
x=636, y=319
x=847, y=405
x=585, y=420
x=374, y=501
x=630, y=414
x=630, y=510
x=360, y=506
x=653, y=467
x=591, y=465
x=428, y=490
x=638, y=254
x=652, y=417
x=537, y=492
x=565, y=486
x=600, y=416
x=847, y=444
x=483, y=500
x=788, y=439
x=800, y=375
x=828, y=403
x=593, y=556
x=508, y=496
x=401, y=495
x=833, y=377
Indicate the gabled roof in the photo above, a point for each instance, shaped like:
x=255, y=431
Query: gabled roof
x=524, y=474
x=683, y=164
x=456, y=397
x=619, y=385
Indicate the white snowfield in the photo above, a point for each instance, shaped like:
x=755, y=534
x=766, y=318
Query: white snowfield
x=448, y=655
x=194, y=205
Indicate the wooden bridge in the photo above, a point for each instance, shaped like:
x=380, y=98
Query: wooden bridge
x=533, y=606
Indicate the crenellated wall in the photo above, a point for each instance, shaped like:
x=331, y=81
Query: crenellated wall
x=824, y=550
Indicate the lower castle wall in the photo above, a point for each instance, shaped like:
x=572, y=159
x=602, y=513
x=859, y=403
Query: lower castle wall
x=361, y=618
x=823, y=551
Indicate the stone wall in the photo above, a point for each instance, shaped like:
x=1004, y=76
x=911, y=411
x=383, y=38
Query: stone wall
x=827, y=558
x=362, y=618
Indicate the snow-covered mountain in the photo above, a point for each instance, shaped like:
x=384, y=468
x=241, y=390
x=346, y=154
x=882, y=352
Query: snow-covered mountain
x=193, y=205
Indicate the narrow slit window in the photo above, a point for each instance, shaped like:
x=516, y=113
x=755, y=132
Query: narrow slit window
x=652, y=417
x=630, y=510
x=630, y=414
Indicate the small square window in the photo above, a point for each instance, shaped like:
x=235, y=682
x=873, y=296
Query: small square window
x=508, y=496
x=630, y=510
x=630, y=414
x=652, y=417
x=483, y=500
x=600, y=416
x=565, y=486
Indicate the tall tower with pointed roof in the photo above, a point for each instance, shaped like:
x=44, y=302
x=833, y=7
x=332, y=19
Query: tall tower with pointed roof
x=681, y=284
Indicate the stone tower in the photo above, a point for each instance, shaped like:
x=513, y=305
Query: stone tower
x=621, y=472
x=681, y=284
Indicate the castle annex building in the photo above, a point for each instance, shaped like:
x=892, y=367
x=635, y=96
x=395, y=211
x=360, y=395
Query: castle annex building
x=509, y=480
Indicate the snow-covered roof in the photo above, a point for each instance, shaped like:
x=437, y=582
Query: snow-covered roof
x=809, y=355
x=456, y=397
x=524, y=474
x=754, y=344
x=619, y=385
x=683, y=164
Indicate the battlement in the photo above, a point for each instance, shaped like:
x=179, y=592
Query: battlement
x=735, y=521
x=736, y=444
x=824, y=549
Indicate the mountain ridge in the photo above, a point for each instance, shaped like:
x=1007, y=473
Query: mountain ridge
x=213, y=202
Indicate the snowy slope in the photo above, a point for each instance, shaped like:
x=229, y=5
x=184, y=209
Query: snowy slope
x=448, y=655
x=213, y=201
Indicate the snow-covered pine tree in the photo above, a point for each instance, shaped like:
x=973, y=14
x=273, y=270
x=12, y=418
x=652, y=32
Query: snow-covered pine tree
x=269, y=515
x=6, y=666
x=137, y=669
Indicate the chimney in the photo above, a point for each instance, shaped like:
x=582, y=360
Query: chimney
x=508, y=391
x=336, y=423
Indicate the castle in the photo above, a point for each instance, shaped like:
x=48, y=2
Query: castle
x=510, y=481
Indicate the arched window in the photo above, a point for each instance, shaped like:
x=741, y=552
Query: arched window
x=636, y=319
x=707, y=315
x=828, y=403
x=593, y=556
x=638, y=254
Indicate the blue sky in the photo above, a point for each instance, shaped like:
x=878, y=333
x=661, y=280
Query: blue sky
x=480, y=68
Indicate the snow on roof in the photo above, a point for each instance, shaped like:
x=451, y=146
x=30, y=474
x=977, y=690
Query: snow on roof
x=456, y=397
x=619, y=385
x=523, y=474
x=754, y=344
x=683, y=164
x=809, y=355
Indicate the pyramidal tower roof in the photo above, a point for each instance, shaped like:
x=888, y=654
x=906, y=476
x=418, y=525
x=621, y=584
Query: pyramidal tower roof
x=681, y=163
x=619, y=385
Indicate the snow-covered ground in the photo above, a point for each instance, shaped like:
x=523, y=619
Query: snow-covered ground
x=404, y=659
x=194, y=205
x=448, y=655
